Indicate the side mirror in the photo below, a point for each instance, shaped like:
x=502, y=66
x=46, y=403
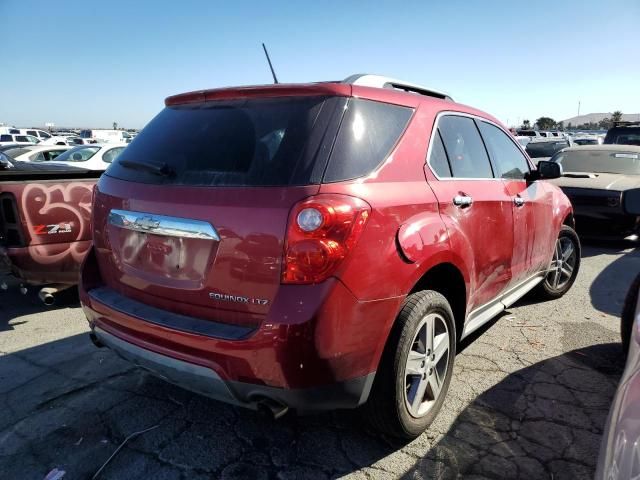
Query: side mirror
x=545, y=171
x=631, y=201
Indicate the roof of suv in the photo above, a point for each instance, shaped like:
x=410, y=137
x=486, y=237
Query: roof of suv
x=372, y=87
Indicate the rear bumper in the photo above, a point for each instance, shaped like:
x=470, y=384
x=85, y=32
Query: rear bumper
x=207, y=382
x=317, y=348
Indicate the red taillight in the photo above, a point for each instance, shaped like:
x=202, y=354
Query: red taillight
x=321, y=232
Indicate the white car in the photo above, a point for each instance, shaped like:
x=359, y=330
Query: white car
x=71, y=140
x=36, y=153
x=6, y=138
x=523, y=140
x=34, y=132
x=92, y=157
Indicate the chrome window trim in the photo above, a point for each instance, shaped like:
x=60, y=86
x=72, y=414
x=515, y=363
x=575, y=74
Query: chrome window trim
x=474, y=117
x=162, y=225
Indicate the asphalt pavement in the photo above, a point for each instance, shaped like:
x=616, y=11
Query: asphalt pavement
x=528, y=399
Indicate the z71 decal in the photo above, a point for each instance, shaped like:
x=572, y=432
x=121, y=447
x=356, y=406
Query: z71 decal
x=52, y=229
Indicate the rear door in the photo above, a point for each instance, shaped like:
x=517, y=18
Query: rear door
x=475, y=206
x=531, y=203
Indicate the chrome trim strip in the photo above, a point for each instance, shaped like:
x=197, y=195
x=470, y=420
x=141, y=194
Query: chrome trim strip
x=482, y=119
x=486, y=312
x=163, y=225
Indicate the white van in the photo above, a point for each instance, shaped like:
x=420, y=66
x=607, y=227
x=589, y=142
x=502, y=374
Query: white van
x=107, y=136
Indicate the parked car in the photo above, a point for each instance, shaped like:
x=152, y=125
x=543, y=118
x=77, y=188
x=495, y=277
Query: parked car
x=319, y=246
x=44, y=222
x=36, y=153
x=523, y=140
x=69, y=140
x=618, y=458
x=34, y=132
x=528, y=133
x=91, y=157
x=6, y=138
x=106, y=136
x=587, y=140
x=596, y=179
x=624, y=133
x=544, y=148
x=10, y=130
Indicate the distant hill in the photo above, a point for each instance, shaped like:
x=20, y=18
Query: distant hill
x=597, y=117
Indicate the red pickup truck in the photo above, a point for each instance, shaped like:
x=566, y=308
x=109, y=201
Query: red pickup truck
x=45, y=216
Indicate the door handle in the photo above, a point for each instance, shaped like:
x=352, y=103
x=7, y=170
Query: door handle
x=518, y=201
x=462, y=201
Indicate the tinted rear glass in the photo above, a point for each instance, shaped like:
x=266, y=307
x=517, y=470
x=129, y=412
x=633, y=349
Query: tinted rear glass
x=250, y=142
x=78, y=154
x=545, y=149
x=16, y=152
x=368, y=132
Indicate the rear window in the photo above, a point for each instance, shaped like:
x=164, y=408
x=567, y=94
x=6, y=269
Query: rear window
x=78, y=154
x=262, y=142
x=16, y=152
x=545, y=149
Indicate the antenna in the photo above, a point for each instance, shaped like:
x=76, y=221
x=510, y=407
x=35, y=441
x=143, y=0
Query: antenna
x=275, y=79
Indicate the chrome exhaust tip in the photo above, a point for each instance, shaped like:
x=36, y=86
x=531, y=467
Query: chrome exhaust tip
x=272, y=408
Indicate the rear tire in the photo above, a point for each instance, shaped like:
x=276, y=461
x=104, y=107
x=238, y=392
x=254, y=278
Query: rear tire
x=415, y=371
x=564, y=266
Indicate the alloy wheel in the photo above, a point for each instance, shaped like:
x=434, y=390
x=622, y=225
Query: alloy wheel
x=562, y=264
x=426, y=365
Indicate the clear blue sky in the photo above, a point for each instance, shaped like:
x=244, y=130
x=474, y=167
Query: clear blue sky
x=89, y=63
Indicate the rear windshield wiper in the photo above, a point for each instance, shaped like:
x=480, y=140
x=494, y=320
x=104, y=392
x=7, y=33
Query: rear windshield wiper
x=161, y=169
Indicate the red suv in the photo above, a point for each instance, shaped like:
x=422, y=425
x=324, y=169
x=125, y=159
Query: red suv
x=319, y=246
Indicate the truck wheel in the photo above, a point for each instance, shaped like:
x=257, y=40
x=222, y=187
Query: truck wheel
x=564, y=265
x=416, y=367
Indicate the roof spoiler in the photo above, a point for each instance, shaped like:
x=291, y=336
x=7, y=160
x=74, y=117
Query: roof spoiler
x=378, y=81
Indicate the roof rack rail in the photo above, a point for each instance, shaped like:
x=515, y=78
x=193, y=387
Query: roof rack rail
x=378, y=81
x=625, y=123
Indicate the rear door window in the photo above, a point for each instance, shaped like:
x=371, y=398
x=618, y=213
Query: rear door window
x=467, y=155
x=506, y=156
x=6, y=138
x=438, y=157
x=368, y=133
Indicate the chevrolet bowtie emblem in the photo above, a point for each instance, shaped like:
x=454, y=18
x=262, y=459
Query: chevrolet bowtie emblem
x=146, y=223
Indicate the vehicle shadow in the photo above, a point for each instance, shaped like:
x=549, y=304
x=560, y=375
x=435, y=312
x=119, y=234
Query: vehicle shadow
x=605, y=290
x=68, y=405
x=544, y=421
x=13, y=304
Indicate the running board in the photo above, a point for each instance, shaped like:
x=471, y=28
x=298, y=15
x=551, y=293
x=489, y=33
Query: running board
x=483, y=314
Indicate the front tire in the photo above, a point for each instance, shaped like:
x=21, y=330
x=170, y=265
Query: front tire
x=564, y=265
x=416, y=368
